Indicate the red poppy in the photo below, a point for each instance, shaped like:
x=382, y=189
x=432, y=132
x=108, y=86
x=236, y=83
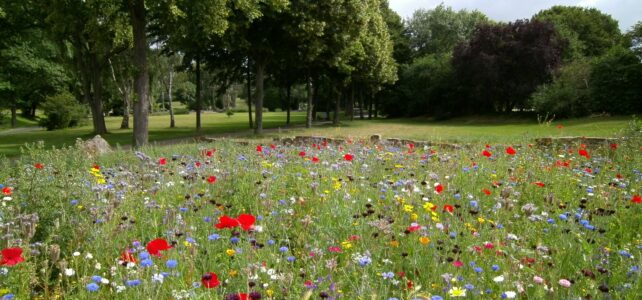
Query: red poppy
x=439, y=188
x=348, y=157
x=486, y=191
x=246, y=221
x=487, y=146
x=239, y=296
x=413, y=228
x=636, y=199
x=39, y=166
x=315, y=159
x=127, y=257
x=539, y=183
x=7, y=191
x=226, y=222
x=302, y=153
x=96, y=167
x=197, y=164
x=259, y=148
x=584, y=153
x=156, y=246
x=162, y=161
x=486, y=153
x=449, y=208
x=272, y=146
x=613, y=146
x=11, y=257
x=458, y=263
x=588, y=170
x=210, y=280
x=510, y=151
x=211, y=179
x=325, y=144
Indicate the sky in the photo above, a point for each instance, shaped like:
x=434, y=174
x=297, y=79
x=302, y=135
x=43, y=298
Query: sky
x=626, y=12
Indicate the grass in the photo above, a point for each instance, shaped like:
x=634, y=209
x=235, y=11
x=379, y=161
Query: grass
x=470, y=130
x=458, y=130
x=212, y=123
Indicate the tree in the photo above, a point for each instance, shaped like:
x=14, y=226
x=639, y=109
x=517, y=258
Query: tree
x=589, y=31
x=440, y=29
x=138, y=16
x=635, y=37
x=503, y=64
x=615, y=82
x=569, y=95
x=93, y=31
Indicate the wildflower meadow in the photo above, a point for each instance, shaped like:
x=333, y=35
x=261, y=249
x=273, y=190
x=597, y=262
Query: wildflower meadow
x=355, y=220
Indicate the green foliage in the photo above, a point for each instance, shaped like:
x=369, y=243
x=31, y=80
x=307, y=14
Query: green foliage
x=440, y=29
x=62, y=111
x=589, y=31
x=635, y=37
x=615, y=82
x=569, y=94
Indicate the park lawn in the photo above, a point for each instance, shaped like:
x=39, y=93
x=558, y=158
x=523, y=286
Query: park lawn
x=463, y=130
x=470, y=130
x=213, y=124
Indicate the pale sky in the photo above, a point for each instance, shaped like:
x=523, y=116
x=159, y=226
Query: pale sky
x=626, y=12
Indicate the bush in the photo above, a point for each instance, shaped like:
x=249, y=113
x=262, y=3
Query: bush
x=62, y=111
x=616, y=84
x=568, y=95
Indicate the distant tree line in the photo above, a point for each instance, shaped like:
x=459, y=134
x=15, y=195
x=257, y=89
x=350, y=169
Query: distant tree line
x=73, y=58
x=564, y=61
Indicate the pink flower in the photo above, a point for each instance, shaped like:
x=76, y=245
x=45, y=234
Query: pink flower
x=565, y=283
x=538, y=280
x=458, y=263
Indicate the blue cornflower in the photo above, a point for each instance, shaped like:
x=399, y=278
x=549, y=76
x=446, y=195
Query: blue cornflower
x=171, y=263
x=234, y=240
x=134, y=282
x=283, y=249
x=8, y=297
x=143, y=255
x=74, y=202
x=291, y=258
x=495, y=268
x=270, y=242
x=387, y=275
x=478, y=269
x=213, y=237
x=92, y=287
x=146, y=263
x=469, y=286
x=96, y=278
x=474, y=203
x=436, y=297
x=563, y=217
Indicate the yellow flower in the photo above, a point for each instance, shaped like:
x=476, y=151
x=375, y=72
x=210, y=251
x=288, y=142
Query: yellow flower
x=428, y=206
x=346, y=245
x=233, y=273
x=414, y=217
x=4, y=291
x=230, y=252
x=457, y=292
x=481, y=220
x=269, y=293
x=424, y=240
x=408, y=208
x=394, y=243
x=187, y=244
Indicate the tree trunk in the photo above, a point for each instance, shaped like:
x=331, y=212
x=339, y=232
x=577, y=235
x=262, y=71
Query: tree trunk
x=315, y=98
x=370, y=107
x=260, y=72
x=249, y=94
x=337, y=108
x=14, y=117
x=172, y=122
x=126, y=105
x=141, y=107
x=288, y=94
x=361, y=106
x=96, y=103
x=376, y=107
x=351, y=107
x=308, y=115
x=198, y=94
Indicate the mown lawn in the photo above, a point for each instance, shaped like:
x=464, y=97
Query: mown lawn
x=476, y=129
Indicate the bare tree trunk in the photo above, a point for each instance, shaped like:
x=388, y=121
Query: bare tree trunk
x=249, y=94
x=351, y=107
x=308, y=115
x=288, y=94
x=260, y=72
x=172, y=122
x=126, y=106
x=376, y=107
x=141, y=83
x=337, y=108
x=315, y=98
x=361, y=106
x=370, y=98
x=198, y=94
x=14, y=117
x=96, y=103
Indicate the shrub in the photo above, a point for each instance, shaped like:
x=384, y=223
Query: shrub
x=568, y=95
x=615, y=83
x=62, y=111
